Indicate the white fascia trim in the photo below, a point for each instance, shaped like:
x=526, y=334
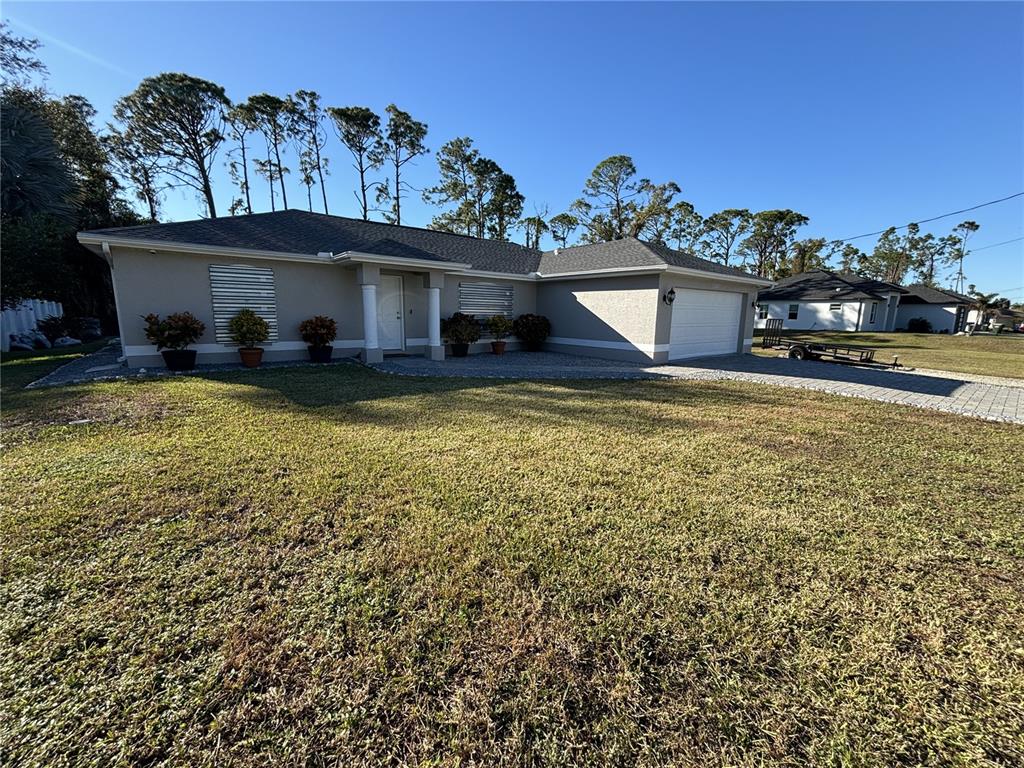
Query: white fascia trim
x=210, y=250
x=717, y=276
x=134, y=350
x=648, y=349
x=395, y=261
x=653, y=268
x=529, y=277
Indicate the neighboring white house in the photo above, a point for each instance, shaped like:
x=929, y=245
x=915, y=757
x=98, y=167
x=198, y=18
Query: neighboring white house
x=945, y=310
x=821, y=300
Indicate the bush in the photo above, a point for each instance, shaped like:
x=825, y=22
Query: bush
x=532, y=329
x=318, y=331
x=460, y=329
x=177, y=331
x=499, y=326
x=53, y=327
x=248, y=329
x=919, y=325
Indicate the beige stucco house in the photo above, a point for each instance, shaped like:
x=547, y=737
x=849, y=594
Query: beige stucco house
x=389, y=286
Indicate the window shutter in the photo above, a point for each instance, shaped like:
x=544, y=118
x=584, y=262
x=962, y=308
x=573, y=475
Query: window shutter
x=235, y=287
x=486, y=299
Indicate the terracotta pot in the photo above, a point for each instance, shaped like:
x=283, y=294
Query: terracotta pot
x=320, y=354
x=460, y=350
x=498, y=347
x=251, y=356
x=179, y=359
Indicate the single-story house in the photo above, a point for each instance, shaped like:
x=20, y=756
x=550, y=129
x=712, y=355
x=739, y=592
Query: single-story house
x=388, y=287
x=822, y=300
x=946, y=310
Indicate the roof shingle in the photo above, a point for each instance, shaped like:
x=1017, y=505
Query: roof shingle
x=295, y=231
x=823, y=284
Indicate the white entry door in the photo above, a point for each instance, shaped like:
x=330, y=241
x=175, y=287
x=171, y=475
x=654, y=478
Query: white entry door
x=391, y=313
x=705, y=323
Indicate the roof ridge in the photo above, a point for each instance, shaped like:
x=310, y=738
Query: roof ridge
x=418, y=229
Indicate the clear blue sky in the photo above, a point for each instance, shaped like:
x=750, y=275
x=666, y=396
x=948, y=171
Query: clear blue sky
x=857, y=115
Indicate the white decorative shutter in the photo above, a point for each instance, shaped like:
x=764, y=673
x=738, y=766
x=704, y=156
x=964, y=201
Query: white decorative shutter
x=486, y=299
x=235, y=287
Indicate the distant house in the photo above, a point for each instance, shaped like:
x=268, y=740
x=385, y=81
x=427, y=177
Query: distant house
x=822, y=300
x=946, y=310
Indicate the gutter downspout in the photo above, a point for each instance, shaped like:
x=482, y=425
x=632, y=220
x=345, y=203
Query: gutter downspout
x=109, y=256
x=860, y=312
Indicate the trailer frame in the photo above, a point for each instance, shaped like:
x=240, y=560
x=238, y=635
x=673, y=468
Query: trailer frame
x=816, y=350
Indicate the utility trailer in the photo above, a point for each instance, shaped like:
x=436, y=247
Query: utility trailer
x=816, y=350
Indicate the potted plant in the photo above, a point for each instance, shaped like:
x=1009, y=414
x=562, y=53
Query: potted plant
x=318, y=332
x=532, y=330
x=500, y=328
x=460, y=330
x=248, y=330
x=172, y=335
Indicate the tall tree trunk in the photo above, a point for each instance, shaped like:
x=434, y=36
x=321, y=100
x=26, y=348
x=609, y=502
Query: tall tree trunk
x=319, y=169
x=245, y=176
x=280, y=170
x=309, y=196
x=208, y=193
x=398, y=194
x=362, y=187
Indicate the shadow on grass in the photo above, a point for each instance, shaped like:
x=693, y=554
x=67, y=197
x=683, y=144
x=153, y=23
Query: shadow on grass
x=834, y=372
x=351, y=393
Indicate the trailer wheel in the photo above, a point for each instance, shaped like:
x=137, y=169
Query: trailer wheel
x=797, y=353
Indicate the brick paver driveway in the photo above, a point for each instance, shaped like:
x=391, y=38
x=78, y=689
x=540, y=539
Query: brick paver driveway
x=982, y=397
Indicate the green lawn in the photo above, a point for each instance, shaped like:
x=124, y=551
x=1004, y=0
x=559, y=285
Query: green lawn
x=21, y=368
x=334, y=567
x=987, y=355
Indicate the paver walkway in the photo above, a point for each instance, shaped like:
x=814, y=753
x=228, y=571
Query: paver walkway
x=984, y=397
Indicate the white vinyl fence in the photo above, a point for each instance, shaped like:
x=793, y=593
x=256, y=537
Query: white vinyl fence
x=25, y=317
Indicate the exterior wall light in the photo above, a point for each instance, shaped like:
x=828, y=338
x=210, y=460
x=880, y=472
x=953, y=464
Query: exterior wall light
x=669, y=297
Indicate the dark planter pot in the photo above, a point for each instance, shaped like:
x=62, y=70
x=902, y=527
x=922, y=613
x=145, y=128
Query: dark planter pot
x=498, y=347
x=320, y=354
x=534, y=346
x=179, y=359
x=251, y=356
x=460, y=350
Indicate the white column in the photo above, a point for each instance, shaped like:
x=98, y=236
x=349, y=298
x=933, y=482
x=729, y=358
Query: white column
x=434, y=316
x=371, y=347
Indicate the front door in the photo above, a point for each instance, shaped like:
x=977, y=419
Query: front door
x=391, y=313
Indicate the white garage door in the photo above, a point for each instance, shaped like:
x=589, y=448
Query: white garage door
x=704, y=323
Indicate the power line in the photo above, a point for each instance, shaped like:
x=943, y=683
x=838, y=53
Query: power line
x=1005, y=242
x=933, y=218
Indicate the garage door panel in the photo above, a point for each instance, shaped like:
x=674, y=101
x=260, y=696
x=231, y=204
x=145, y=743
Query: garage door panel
x=704, y=323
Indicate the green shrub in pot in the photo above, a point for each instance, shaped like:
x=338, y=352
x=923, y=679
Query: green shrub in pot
x=318, y=332
x=532, y=330
x=248, y=330
x=460, y=331
x=172, y=335
x=500, y=328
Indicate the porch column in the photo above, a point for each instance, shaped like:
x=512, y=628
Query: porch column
x=369, y=276
x=435, y=350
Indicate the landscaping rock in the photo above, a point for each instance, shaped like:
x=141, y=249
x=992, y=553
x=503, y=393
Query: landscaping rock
x=89, y=328
x=40, y=340
x=21, y=343
x=66, y=341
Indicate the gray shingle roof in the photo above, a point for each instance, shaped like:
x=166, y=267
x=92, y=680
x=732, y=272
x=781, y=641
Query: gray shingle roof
x=628, y=252
x=295, y=231
x=301, y=232
x=822, y=284
x=923, y=294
